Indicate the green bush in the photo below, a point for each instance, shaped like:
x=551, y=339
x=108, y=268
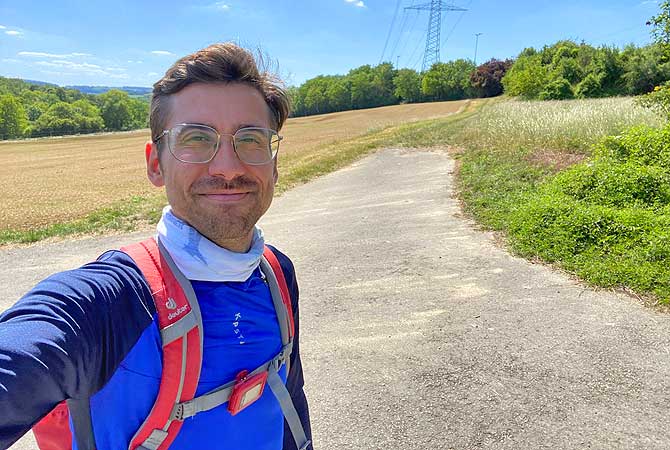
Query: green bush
x=608, y=219
x=591, y=86
x=610, y=183
x=641, y=144
x=559, y=89
x=658, y=100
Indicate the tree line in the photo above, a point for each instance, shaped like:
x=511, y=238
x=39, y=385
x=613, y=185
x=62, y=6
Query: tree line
x=564, y=70
x=567, y=70
x=372, y=86
x=33, y=110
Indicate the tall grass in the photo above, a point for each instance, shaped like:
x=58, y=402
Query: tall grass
x=570, y=125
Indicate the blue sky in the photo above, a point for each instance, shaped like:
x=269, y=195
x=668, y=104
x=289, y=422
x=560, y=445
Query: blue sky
x=132, y=43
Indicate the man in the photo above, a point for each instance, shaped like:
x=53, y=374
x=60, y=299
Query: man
x=91, y=336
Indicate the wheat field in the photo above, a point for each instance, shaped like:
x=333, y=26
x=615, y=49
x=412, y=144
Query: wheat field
x=54, y=180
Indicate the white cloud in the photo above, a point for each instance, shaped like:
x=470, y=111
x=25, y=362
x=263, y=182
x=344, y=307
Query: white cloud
x=162, y=53
x=13, y=33
x=358, y=3
x=10, y=60
x=69, y=65
x=59, y=74
x=216, y=6
x=73, y=68
x=52, y=55
x=152, y=74
x=2, y=27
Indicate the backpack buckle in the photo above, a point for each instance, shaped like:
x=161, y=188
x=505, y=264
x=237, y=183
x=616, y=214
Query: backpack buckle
x=246, y=391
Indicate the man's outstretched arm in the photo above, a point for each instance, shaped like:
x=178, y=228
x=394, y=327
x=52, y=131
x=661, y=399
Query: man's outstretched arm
x=66, y=337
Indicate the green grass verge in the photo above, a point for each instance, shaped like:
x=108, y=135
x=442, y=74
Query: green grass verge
x=608, y=219
x=605, y=218
x=124, y=216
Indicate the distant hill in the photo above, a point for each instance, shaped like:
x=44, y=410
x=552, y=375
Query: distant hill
x=131, y=90
x=40, y=83
x=134, y=91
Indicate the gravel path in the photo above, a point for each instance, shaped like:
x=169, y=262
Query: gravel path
x=419, y=332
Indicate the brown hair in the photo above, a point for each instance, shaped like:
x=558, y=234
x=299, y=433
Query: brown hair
x=224, y=62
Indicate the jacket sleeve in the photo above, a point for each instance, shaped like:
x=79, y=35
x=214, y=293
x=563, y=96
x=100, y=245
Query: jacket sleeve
x=295, y=381
x=66, y=337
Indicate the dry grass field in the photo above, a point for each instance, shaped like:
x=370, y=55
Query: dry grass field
x=55, y=180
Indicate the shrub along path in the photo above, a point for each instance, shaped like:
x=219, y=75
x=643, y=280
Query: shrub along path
x=419, y=332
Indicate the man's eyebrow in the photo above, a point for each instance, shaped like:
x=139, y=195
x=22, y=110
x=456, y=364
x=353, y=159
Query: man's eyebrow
x=239, y=127
x=245, y=125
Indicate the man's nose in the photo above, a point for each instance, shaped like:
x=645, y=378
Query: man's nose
x=226, y=163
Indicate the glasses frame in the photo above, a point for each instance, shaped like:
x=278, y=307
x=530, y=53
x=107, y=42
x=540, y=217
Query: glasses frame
x=218, y=142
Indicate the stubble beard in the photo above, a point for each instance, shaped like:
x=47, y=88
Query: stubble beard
x=227, y=225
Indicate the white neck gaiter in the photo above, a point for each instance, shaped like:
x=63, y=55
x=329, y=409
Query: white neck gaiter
x=201, y=259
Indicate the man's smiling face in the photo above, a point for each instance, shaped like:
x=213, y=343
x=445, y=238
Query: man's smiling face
x=224, y=198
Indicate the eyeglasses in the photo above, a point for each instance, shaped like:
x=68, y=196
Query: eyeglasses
x=195, y=143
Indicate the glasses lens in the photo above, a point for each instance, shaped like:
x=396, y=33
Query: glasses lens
x=193, y=143
x=256, y=145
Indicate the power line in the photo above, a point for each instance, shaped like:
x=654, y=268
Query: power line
x=397, y=7
x=456, y=24
x=409, y=33
x=418, y=44
x=403, y=22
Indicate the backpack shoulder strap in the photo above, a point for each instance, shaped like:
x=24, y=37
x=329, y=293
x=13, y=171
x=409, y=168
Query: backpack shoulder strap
x=180, y=325
x=273, y=262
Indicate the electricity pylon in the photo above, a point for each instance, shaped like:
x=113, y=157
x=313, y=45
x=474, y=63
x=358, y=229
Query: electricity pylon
x=432, y=53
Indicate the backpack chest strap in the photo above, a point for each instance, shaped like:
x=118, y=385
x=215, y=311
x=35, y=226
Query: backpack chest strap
x=221, y=395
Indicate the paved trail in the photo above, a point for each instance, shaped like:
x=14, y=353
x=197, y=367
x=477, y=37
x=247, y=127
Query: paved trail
x=420, y=333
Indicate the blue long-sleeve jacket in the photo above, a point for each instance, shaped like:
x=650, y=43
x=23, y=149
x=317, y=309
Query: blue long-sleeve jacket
x=91, y=333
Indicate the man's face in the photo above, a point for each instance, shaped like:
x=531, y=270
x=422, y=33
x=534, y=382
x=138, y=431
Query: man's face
x=224, y=198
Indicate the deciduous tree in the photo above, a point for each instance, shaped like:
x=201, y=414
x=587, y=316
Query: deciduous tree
x=13, y=119
x=486, y=79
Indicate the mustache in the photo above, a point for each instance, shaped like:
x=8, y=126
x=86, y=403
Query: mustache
x=219, y=184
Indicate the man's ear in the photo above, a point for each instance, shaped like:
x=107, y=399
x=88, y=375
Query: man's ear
x=154, y=172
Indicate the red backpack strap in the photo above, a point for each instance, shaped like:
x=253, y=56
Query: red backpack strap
x=180, y=325
x=53, y=431
x=283, y=288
